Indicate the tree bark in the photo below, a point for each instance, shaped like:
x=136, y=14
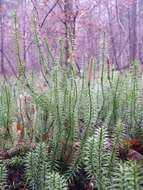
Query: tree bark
x=70, y=26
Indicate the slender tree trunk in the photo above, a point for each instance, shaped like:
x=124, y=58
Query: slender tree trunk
x=2, y=39
x=133, y=31
x=140, y=35
x=70, y=25
x=112, y=40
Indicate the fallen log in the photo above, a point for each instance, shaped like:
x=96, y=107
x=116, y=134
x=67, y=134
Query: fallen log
x=15, y=151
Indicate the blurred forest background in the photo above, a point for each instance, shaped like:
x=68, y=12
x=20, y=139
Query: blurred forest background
x=77, y=24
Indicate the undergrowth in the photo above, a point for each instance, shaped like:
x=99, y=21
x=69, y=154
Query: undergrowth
x=74, y=121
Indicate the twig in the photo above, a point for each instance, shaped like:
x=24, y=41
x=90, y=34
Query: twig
x=49, y=13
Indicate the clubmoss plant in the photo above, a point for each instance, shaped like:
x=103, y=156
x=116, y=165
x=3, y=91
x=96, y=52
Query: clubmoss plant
x=3, y=174
x=127, y=176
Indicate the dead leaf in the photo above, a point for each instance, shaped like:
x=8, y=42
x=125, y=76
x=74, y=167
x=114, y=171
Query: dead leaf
x=134, y=155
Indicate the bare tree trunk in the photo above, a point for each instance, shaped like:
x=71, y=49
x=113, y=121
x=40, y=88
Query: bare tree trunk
x=133, y=31
x=140, y=35
x=112, y=39
x=2, y=39
x=70, y=26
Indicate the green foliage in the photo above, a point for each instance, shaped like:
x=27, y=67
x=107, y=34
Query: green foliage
x=6, y=111
x=127, y=176
x=16, y=160
x=37, y=166
x=103, y=163
x=3, y=173
x=73, y=109
x=96, y=156
x=39, y=172
x=55, y=182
